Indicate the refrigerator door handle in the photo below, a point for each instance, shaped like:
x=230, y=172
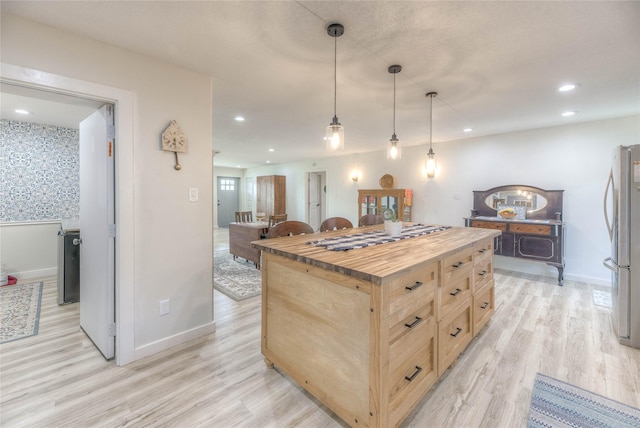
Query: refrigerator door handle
x=606, y=216
x=611, y=266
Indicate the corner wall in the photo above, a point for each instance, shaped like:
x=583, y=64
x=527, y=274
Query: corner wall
x=171, y=237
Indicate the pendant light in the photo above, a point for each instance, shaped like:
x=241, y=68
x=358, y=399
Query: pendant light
x=431, y=162
x=335, y=131
x=393, y=148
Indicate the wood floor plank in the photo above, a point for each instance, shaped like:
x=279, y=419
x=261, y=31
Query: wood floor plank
x=58, y=378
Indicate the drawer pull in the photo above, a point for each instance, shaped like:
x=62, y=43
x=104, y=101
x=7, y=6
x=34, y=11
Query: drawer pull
x=415, y=323
x=482, y=251
x=457, y=265
x=458, y=330
x=413, y=376
x=414, y=286
x=485, y=305
x=483, y=273
x=458, y=291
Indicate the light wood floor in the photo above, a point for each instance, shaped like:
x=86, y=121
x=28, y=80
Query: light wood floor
x=58, y=379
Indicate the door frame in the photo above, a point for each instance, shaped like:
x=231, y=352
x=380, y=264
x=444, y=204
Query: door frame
x=125, y=244
x=323, y=195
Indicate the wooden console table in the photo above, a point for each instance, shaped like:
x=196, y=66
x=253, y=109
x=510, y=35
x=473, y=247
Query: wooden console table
x=240, y=237
x=538, y=236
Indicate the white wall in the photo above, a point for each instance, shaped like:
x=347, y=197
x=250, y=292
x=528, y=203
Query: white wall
x=29, y=250
x=573, y=158
x=172, y=238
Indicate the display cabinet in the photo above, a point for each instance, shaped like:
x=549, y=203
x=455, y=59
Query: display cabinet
x=271, y=195
x=374, y=201
x=536, y=230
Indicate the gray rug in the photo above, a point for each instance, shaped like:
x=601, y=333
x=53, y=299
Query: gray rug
x=555, y=404
x=237, y=278
x=19, y=310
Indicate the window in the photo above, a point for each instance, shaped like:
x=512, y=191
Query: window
x=227, y=184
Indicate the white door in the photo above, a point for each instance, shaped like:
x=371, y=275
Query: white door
x=228, y=200
x=97, y=229
x=315, y=208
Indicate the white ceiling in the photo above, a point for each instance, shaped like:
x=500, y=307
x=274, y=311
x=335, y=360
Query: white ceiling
x=495, y=65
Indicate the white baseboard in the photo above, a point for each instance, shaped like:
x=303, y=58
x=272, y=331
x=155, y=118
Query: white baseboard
x=171, y=341
x=537, y=268
x=38, y=273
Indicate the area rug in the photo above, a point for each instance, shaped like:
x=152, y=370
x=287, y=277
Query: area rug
x=558, y=404
x=237, y=278
x=19, y=311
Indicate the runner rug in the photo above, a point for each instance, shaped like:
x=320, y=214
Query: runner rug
x=555, y=404
x=19, y=311
x=237, y=278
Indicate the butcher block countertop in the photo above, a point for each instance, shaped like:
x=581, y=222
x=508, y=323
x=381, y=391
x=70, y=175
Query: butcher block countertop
x=378, y=261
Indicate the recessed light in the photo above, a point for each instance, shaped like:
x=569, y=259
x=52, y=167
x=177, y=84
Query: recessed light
x=467, y=129
x=22, y=111
x=239, y=119
x=568, y=87
x=569, y=113
x=272, y=150
x=237, y=166
x=268, y=162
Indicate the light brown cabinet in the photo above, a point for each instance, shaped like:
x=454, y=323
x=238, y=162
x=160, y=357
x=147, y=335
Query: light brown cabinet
x=271, y=194
x=374, y=201
x=369, y=331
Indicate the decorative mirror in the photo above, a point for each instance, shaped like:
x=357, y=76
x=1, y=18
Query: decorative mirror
x=530, y=200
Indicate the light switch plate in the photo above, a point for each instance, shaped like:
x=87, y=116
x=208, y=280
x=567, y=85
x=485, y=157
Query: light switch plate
x=193, y=194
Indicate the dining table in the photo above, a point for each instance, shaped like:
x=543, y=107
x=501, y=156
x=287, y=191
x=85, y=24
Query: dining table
x=240, y=237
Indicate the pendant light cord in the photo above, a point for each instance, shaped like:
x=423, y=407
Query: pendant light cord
x=394, y=104
x=335, y=75
x=430, y=122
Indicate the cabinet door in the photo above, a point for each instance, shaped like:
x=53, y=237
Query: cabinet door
x=505, y=245
x=536, y=247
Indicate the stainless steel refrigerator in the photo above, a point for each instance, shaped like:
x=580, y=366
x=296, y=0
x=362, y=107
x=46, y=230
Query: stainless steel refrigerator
x=622, y=216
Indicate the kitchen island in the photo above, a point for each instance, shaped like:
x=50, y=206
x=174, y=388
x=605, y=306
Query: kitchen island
x=369, y=330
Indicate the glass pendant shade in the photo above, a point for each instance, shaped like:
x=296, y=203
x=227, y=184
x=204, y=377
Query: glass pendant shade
x=430, y=166
x=394, y=151
x=335, y=136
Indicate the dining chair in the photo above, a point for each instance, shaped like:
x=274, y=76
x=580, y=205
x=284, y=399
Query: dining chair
x=335, y=223
x=288, y=228
x=244, y=217
x=276, y=218
x=370, y=219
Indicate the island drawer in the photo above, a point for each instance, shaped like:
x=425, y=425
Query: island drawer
x=454, y=334
x=416, y=285
x=489, y=225
x=457, y=265
x=410, y=323
x=482, y=272
x=483, y=306
x=483, y=250
x=453, y=295
x=412, y=376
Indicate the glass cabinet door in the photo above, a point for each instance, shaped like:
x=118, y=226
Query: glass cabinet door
x=369, y=205
x=390, y=202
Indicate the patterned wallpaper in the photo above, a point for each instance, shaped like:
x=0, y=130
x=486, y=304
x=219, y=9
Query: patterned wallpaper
x=39, y=172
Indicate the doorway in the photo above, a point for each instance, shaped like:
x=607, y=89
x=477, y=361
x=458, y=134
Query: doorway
x=228, y=189
x=317, y=198
x=123, y=277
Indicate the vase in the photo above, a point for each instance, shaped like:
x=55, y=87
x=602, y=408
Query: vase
x=392, y=228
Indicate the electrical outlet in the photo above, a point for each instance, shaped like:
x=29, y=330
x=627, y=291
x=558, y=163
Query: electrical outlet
x=164, y=307
x=193, y=194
